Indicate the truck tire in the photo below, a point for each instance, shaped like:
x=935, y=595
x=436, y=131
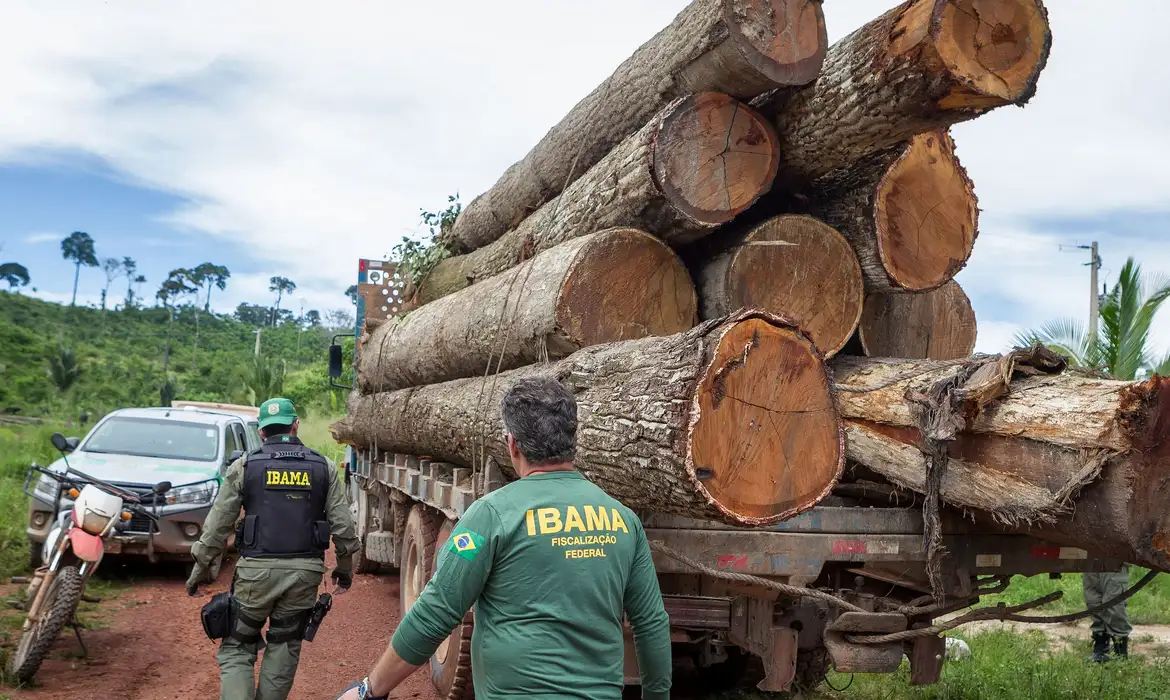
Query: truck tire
x=451, y=662
x=418, y=549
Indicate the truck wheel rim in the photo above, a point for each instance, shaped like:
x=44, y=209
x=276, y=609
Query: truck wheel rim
x=412, y=581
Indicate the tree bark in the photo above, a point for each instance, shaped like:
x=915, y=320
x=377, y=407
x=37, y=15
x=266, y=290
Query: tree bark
x=613, y=285
x=739, y=47
x=792, y=266
x=732, y=420
x=909, y=212
x=924, y=65
x=936, y=325
x=1078, y=460
x=693, y=167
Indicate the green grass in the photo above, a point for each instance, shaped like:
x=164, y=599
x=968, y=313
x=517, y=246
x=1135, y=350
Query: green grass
x=314, y=432
x=1006, y=664
x=1150, y=606
x=20, y=445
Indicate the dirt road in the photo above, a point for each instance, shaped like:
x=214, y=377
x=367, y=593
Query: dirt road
x=155, y=648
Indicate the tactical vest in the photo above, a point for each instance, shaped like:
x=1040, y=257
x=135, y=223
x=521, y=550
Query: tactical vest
x=284, y=495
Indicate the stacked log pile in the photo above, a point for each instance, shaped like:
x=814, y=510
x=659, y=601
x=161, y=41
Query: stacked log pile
x=739, y=253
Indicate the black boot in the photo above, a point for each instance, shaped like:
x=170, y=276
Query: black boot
x=1100, y=647
x=1121, y=647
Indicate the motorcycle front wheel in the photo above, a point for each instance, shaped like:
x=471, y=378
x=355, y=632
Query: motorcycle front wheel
x=57, y=609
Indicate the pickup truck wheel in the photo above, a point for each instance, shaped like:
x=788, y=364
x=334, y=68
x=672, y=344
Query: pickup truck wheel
x=418, y=550
x=451, y=662
x=34, y=555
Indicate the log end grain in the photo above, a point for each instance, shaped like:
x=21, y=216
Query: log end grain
x=935, y=325
x=796, y=267
x=766, y=440
x=785, y=40
x=994, y=49
x=925, y=214
x=714, y=157
x=625, y=284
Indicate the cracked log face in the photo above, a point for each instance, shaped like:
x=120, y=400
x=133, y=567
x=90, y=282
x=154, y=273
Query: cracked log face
x=992, y=46
x=795, y=267
x=910, y=213
x=935, y=325
x=765, y=441
x=713, y=157
x=733, y=421
x=612, y=285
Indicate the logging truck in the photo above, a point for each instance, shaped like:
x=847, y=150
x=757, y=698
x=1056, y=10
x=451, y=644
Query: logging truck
x=862, y=544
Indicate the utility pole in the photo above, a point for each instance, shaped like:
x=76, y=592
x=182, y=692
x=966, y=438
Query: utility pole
x=257, y=350
x=1094, y=300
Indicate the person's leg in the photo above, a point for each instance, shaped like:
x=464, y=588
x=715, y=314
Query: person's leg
x=1092, y=588
x=237, y=653
x=1116, y=618
x=283, y=653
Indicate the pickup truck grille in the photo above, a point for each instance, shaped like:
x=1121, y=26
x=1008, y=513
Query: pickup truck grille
x=139, y=524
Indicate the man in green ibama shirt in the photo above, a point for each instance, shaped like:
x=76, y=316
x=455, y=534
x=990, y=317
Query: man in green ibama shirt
x=551, y=563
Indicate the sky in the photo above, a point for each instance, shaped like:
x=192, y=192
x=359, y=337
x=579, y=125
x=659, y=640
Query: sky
x=291, y=138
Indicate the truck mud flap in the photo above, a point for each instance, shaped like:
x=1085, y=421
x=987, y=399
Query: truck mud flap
x=848, y=657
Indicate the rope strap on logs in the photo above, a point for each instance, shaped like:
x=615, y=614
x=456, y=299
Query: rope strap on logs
x=999, y=612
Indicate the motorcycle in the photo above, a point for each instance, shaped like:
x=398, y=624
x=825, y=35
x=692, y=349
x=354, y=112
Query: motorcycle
x=73, y=551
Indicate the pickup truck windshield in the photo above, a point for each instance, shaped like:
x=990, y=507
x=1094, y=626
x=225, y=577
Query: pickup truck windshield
x=146, y=437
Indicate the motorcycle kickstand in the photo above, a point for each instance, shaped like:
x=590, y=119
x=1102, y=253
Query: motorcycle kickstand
x=77, y=627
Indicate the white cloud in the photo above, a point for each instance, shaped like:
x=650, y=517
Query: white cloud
x=312, y=134
x=41, y=237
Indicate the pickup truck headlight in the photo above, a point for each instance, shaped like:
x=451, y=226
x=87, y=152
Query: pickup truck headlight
x=46, y=489
x=201, y=493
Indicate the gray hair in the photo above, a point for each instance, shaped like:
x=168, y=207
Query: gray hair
x=541, y=414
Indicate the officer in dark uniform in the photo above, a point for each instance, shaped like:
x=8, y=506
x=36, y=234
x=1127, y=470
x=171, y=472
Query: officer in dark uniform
x=293, y=501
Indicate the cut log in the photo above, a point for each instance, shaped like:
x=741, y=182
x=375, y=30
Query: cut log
x=1078, y=460
x=695, y=166
x=909, y=212
x=937, y=325
x=923, y=65
x=731, y=420
x=616, y=284
x=793, y=266
x=739, y=47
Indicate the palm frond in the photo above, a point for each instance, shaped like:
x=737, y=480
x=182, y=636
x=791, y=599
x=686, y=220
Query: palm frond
x=1067, y=336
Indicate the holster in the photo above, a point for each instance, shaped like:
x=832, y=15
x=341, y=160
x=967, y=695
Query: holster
x=220, y=614
x=318, y=612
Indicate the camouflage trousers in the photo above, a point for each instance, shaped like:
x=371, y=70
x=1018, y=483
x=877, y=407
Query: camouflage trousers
x=1099, y=588
x=283, y=598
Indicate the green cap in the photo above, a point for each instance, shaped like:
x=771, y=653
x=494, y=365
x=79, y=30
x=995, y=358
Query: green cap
x=277, y=412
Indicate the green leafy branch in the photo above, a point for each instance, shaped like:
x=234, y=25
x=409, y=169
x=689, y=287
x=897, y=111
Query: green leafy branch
x=416, y=258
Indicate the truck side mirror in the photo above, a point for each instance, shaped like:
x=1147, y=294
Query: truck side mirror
x=162, y=487
x=335, y=365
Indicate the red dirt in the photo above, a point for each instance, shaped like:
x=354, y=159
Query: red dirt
x=154, y=647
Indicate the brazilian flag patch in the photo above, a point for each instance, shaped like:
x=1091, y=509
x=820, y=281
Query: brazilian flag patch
x=466, y=544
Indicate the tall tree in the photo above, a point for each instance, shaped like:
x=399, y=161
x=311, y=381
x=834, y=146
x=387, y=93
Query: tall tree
x=176, y=285
x=129, y=267
x=351, y=292
x=211, y=275
x=112, y=267
x=78, y=248
x=1122, y=345
x=15, y=274
x=282, y=286
x=253, y=314
x=313, y=318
